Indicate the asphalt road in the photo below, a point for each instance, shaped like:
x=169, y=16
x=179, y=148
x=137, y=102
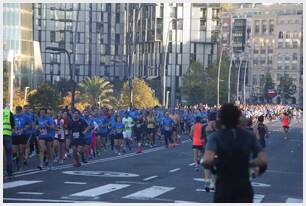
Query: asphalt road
x=159, y=175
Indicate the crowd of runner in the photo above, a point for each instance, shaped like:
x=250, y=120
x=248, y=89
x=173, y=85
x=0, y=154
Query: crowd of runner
x=73, y=136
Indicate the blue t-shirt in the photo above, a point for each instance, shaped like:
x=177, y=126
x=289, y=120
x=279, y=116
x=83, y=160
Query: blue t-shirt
x=20, y=123
x=102, y=122
x=45, y=132
x=29, y=121
x=90, y=122
x=168, y=123
x=119, y=126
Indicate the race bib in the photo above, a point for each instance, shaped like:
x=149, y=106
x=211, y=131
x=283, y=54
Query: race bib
x=76, y=135
x=19, y=132
x=43, y=131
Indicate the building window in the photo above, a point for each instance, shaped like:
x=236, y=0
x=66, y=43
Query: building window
x=278, y=76
x=255, y=61
x=288, y=45
x=279, y=67
x=264, y=26
x=280, y=45
x=294, y=56
x=78, y=37
x=117, y=18
x=280, y=35
x=256, y=26
x=271, y=26
x=280, y=57
x=170, y=47
x=288, y=35
x=174, y=25
x=294, y=66
x=52, y=36
x=62, y=36
x=173, y=12
x=270, y=59
x=287, y=67
x=295, y=44
x=262, y=60
x=180, y=24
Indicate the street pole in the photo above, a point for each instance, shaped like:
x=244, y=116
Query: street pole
x=12, y=76
x=165, y=63
x=244, y=79
x=167, y=102
x=238, y=78
x=74, y=57
x=25, y=94
x=229, y=81
x=218, y=84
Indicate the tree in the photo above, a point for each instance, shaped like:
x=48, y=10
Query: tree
x=45, y=96
x=286, y=88
x=63, y=86
x=143, y=95
x=200, y=85
x=268, y=84
x=97, y=89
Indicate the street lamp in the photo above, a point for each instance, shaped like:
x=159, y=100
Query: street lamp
x=62, y=50
x=229, y=80
x=25, y=94
x=238, y=79
x=165, y=62
x=12, y=77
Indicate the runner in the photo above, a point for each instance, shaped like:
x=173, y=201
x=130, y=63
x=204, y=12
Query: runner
x=261, y=131
x=167, y=124
x=118, y=138
x=20, y=138
x=59, y=142
x=138, y=131
x=285, y=123
x=78, y=127
x=46, y=136
x=150, y=128
x=197, y=142
x=127, y=132
x=29, y=132
x=67, y=135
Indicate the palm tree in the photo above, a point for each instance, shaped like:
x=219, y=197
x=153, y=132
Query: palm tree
x=97, y=89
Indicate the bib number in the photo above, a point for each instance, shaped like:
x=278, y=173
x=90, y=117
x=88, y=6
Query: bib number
x=43, y=131
x=76, y=135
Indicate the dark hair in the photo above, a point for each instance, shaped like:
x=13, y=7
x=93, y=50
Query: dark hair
x=229, y=115
x=212, y=116
x=198, y=119
x=18, y=109
x=261, y=118
x=249, y=121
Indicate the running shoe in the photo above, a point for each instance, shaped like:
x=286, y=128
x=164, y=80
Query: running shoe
x=40, y=167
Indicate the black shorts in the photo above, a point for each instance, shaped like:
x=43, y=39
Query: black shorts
x=20, y=139
x=47, y=139
x=60, y=140
x=150, y=130
x=102, y=135
x=78, y=141
x=201, y=148
x=118, y=136
x=286, y=127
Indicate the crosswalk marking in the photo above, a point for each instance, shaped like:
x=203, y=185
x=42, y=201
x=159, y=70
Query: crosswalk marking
x=149, y=193
x=191, y=164
x=30, y=193
x=149, y=178
x=76, y=183
x=174, y=170
x=18, y=183
x=294, y=200
x=258, y=198
x=100, y=190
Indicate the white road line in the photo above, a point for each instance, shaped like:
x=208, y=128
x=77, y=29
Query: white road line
x=76, y=183
x=199, y=179
x=191, y=164
x=179, y=201
x=149, y=178
x=29, y=172
x=174, y=170
x=149, y=193
x=30, y=193
x=294, y=200
x=18, y=183
x=258, y=198
x=45, y=200
x=100, y=190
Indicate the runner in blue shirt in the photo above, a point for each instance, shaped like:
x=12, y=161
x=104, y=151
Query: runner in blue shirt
x=19, y=137
x=168, y=124
x=46, y=126
x=118, y=134
x=29, y=132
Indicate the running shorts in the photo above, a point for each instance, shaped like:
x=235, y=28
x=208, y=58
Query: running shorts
x=78, y=142
x=150, y=130
x=286, y=127
x=118, y=136
x=20, y=139
x=127, y=134
x=198, y=147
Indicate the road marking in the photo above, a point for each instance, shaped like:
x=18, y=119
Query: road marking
x=100, y=190
x=199, y=179
x=257, y=184
x=174, y=170
x=283, y=172
x=187, y=140
x=18, y=183
x=258, y=198
x=294, y=200
x=149, y=193
x=203, y=190
x=179, y=201
x=30, y=193
x=132, y=182
x=28, y=172
x=76, y=183
x=149, y=178
x=101, y=173
x=44, y=200
x=191, y=164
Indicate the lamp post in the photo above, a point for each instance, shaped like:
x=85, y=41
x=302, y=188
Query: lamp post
x=238, y=78
x=244, y=79
x=62, y=50
x=218, y=84
x=11, y=85
x=229, y=80
x=165, y=63
x=26, y=93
